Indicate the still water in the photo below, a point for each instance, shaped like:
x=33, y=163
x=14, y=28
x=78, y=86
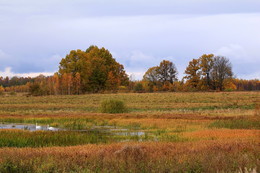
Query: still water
x=35, y=127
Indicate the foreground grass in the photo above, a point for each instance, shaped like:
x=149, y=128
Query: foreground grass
x=225, y=156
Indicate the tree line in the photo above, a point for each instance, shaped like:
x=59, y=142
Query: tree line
x=95, y=70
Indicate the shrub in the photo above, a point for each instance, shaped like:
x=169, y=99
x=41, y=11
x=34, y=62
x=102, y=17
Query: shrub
x=36, y=90
x=138, y=88
x=113, y=106
x=12, y=93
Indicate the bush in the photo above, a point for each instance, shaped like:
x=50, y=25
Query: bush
x=138, y=88
x=12, y=93
x=113, y=106
x=36, y=90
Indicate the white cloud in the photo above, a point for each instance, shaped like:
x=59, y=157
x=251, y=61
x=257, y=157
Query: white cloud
x=137, y=63
x=8, y=72
x=235, y=52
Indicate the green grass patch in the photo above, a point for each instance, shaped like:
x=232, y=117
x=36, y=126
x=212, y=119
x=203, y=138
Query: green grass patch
x=236, y=124
x=17, y=138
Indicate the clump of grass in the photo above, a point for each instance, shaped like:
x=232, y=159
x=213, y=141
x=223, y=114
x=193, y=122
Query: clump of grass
x=113, y=106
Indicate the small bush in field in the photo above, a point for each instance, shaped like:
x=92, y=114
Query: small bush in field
x=12, y=93
x=113, y=106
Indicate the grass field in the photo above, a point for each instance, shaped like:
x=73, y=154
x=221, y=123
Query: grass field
x=161, y=132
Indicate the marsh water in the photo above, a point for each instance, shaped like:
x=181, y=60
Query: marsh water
x=30, y=127
x=108, y=129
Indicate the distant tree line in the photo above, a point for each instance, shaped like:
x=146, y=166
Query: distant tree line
x=95, y=70
x=14, y=81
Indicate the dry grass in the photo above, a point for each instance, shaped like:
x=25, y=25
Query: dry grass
x=135, y=157
x=222, y=134
x=152, y=102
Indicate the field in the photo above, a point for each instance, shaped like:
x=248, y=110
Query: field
x=161, y=132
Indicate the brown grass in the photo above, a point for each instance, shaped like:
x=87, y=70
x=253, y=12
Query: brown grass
x=224, y=134
x=211, y=156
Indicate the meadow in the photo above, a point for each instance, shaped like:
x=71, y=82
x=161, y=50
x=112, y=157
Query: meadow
x=160, y=132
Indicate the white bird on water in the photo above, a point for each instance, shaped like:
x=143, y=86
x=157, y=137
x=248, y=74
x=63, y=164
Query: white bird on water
x=50, y=128
x=37, y=127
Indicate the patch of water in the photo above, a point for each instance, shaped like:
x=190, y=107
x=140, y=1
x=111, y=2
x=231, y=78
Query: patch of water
x=30, y=127
x=108, y=129
x=130, y=133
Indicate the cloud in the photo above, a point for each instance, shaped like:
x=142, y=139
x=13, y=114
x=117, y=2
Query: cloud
x=8, y=73
x=236, y=52
x=245, y=63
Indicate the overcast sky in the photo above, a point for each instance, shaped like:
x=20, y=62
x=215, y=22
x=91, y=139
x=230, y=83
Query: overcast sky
x=35, y=35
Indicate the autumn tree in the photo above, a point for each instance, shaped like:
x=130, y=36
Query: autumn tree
x=1, y=89
x=193, y=74
x=112, y=82
x=77, y=84
x=151, y=75
x=151, y=78
x=167, y=72
x=161, y=76
x=221, y=71
x=206, y=63
x=56, y=84
x=97, y=68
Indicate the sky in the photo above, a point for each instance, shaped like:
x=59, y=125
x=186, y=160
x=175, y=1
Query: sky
x=36, y=35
